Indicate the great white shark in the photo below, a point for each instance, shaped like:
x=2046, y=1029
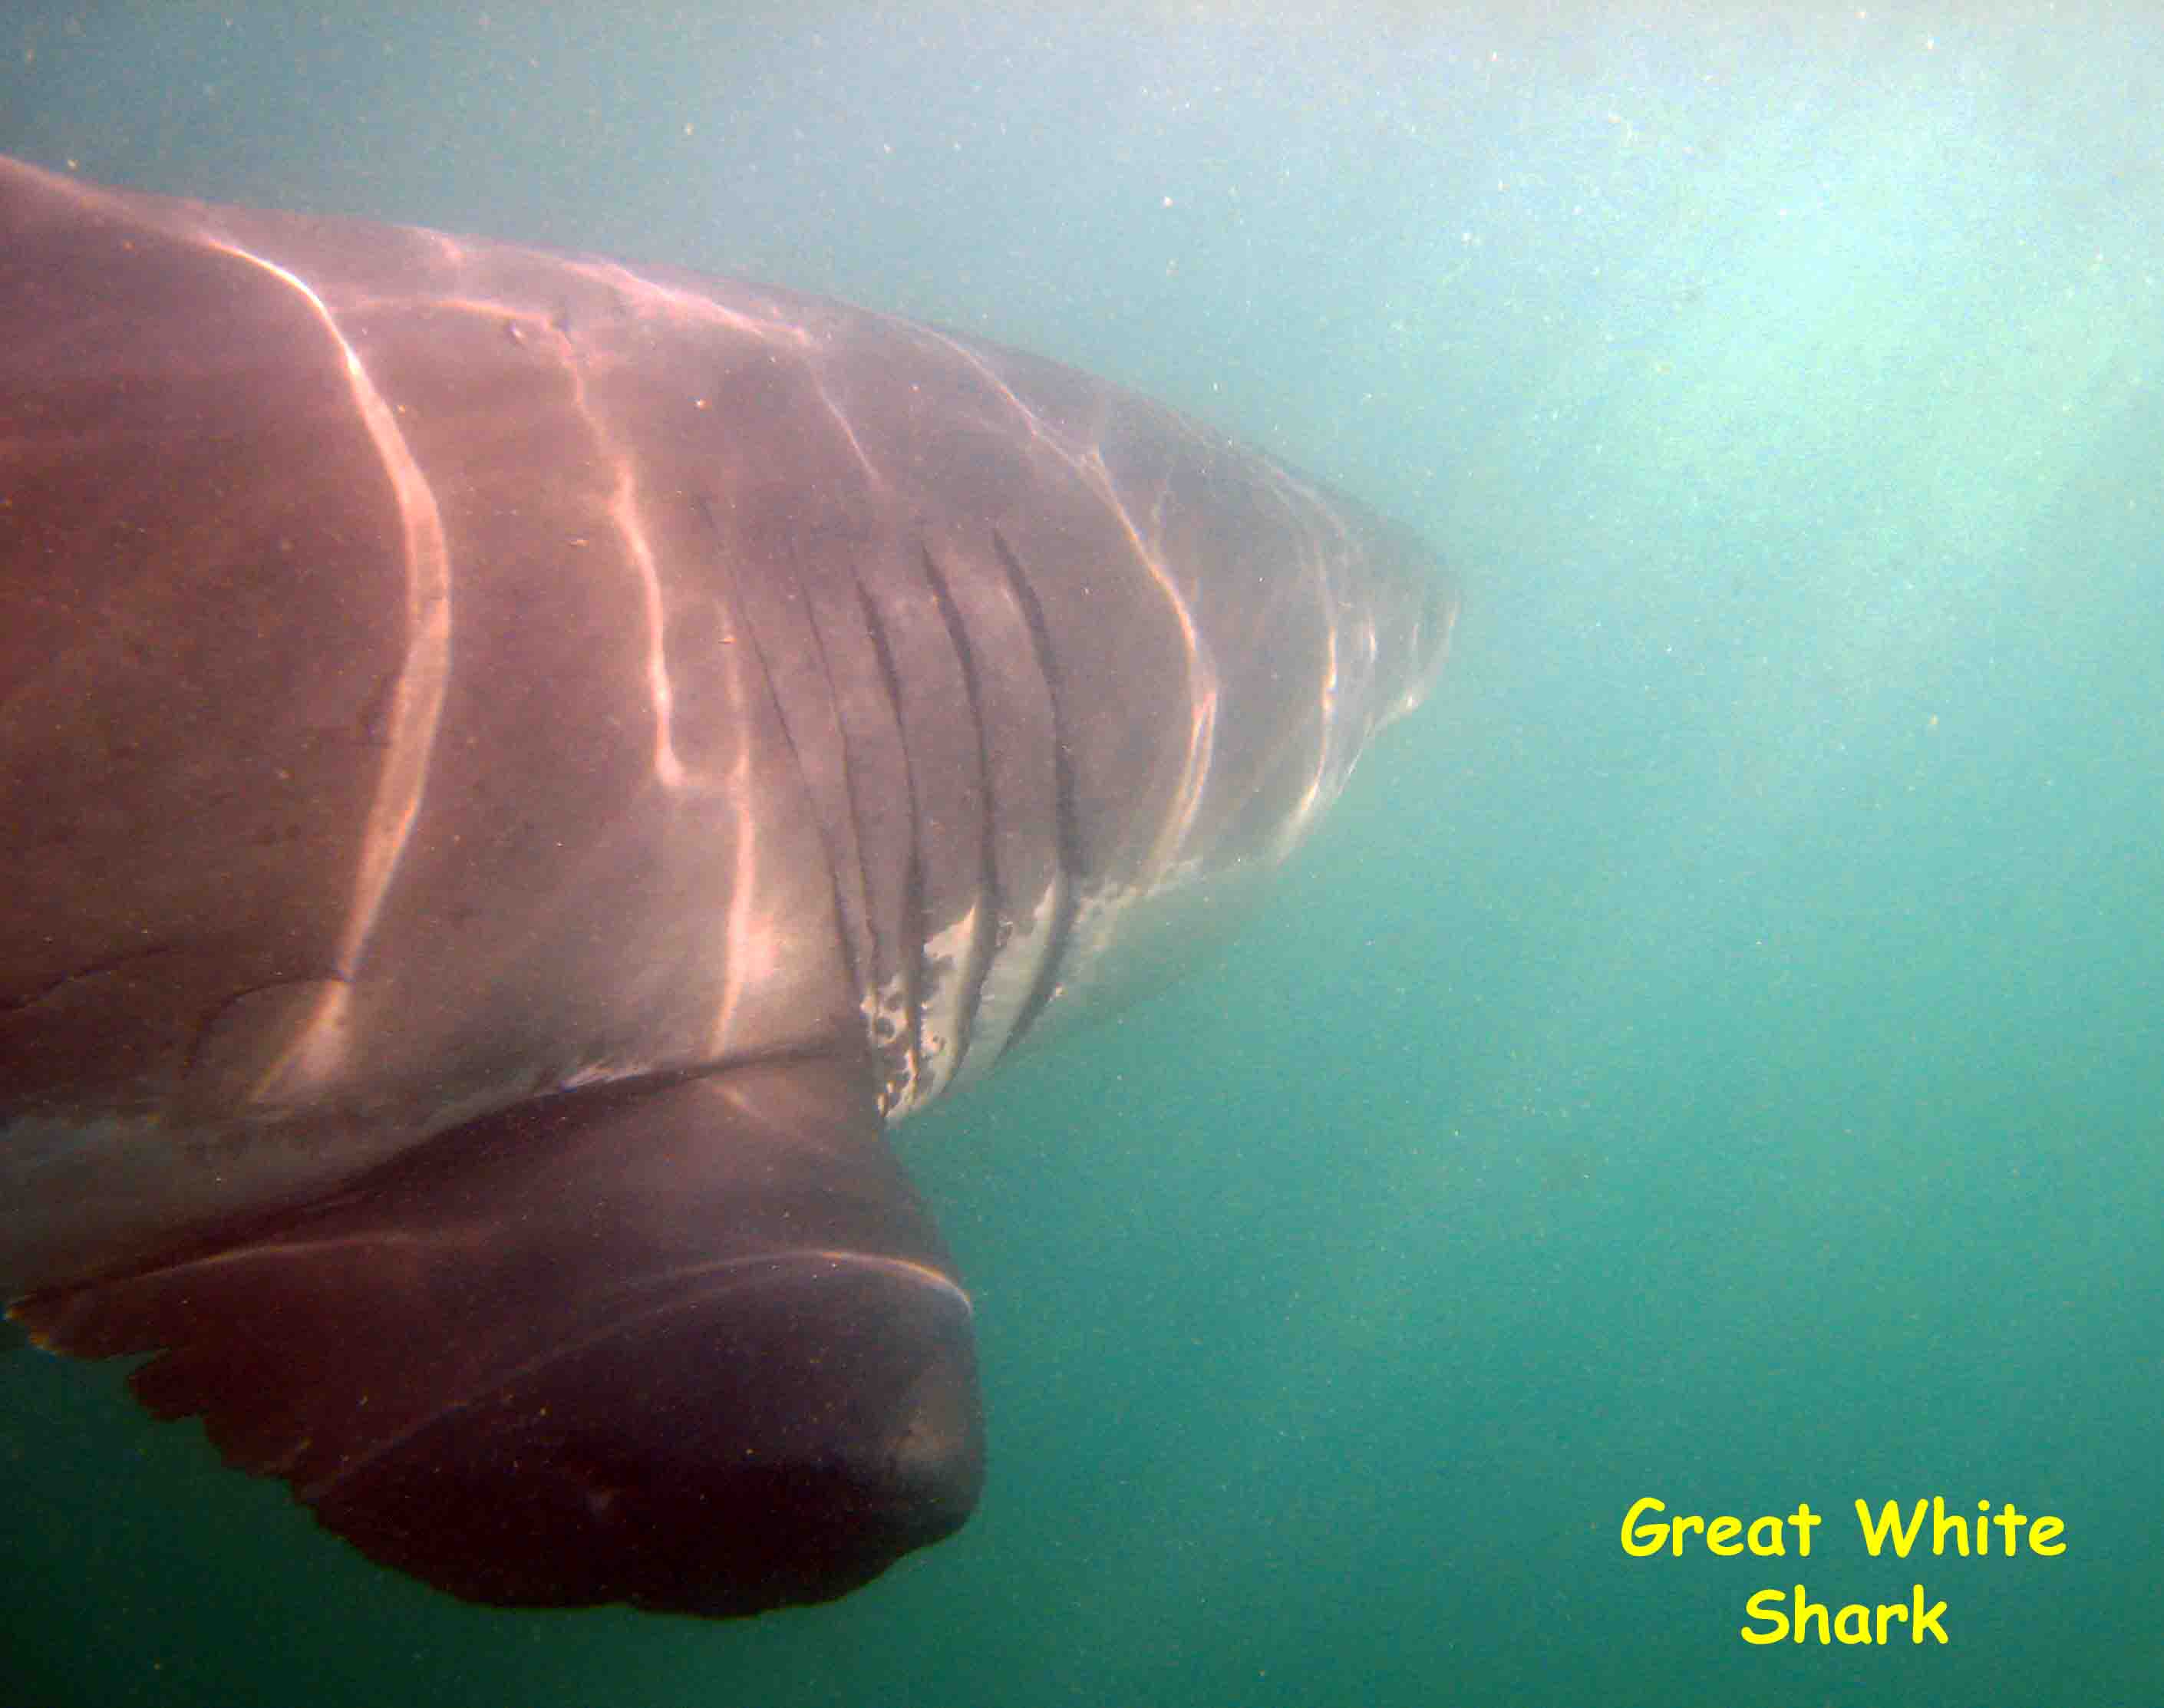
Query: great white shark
x=517, y=771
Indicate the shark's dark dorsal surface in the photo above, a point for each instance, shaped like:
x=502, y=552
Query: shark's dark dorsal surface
x=518, y=769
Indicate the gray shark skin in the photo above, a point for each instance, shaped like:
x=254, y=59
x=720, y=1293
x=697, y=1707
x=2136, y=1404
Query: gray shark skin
x=517, y=771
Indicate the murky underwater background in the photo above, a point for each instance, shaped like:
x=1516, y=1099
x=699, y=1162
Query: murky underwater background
x=1713, y=1052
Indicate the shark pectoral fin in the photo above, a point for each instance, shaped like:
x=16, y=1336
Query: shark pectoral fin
x=692, y=1344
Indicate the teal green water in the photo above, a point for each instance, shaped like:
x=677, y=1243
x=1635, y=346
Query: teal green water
x=1712, y=1053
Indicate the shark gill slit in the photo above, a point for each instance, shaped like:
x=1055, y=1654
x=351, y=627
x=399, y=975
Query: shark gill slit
x=725, y=565
x=870, y=980
x=912, y=968
x=1067, y=840
x=992, y=892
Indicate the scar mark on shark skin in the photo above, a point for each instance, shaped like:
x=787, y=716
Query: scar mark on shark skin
x=96, y=970
x=842, y=420
x=690, y=306
x=318, y=1051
